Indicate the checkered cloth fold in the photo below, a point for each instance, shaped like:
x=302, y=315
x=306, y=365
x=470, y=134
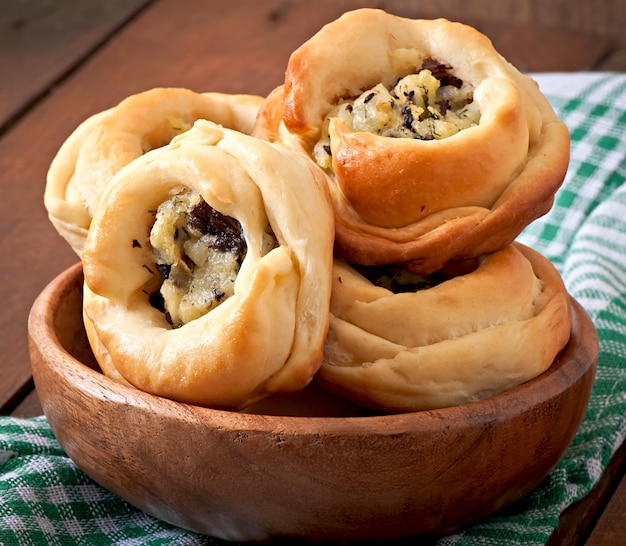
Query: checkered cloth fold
x=45, y=499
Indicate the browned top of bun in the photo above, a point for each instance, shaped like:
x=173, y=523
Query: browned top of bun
x=426, y=202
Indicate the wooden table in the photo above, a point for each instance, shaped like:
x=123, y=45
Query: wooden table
x=63, y=61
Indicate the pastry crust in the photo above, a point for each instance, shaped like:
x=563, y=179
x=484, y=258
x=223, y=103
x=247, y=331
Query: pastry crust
x=108, y=140
x=267, y=337
x=465, y=339
x=423, y=202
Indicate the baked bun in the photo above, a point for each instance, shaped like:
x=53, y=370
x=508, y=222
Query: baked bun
x=105, y=142
x=208, y=270
x=436, y=148
x=469, y=336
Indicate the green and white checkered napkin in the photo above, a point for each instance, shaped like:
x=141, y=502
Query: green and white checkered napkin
x=45, y=499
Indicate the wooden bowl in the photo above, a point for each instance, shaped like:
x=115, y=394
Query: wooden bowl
x=246, y=476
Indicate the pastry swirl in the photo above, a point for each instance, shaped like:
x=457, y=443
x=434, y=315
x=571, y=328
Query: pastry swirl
x=435, y=148
x=266, y=332
x=468, y=336
x=105, y=142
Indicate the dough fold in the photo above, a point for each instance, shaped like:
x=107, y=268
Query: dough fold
x=102, y=144
x=268, y=336
x=474, y=335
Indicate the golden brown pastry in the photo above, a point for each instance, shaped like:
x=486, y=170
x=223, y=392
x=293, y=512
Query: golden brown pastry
x=105, y=142
x=404, y=342
x=435, y=147
x=208, y=270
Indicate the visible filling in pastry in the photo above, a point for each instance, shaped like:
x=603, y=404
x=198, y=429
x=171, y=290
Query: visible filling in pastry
x=430, y=104
x=398, y=279
x=198, y=251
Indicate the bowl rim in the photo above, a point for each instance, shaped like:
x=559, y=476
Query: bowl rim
x=44, y=312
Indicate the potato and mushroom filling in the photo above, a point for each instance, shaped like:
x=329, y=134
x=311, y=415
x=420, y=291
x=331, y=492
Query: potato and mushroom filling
x=198, y=252
x=430, y=104
x=398, y=279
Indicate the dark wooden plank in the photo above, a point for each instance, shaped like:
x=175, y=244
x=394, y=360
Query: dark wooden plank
x=610, y=528
x=40, y=40
x=534, y=48
x=35, y=255
x=615, y=61
x=577, y=525
x=29, y=407
x=529, y=45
